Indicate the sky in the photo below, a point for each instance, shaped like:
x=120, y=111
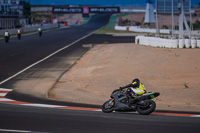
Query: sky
x=96, y=2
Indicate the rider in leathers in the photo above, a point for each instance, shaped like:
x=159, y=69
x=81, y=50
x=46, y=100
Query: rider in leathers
x=135, y=89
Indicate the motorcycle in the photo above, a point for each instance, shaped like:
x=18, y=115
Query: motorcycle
x=19, y=36
x=121, y=101
x=40, y=32
x=7, y=39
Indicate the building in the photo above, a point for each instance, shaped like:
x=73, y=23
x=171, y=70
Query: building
x=11, y=13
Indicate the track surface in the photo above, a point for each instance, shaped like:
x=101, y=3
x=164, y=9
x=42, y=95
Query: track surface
x=37, y=119
x=19, y=54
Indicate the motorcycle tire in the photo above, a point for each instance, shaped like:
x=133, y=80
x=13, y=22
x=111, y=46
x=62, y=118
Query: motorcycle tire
x=6, y=41
x=146, y=110
x=108, y=106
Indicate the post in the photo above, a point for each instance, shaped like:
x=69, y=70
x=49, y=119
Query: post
x=52, y=15
x=120, y=18
x=172, y=18
x=157, y=32
x=191, y=26
x=181, y=20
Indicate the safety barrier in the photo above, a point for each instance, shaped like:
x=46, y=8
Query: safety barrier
x=138, y=29
x=167, y=43
x=194, y=43
x=187, y=43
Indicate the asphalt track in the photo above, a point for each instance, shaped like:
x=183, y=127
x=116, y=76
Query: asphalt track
x=37, y=119
x=19, y=54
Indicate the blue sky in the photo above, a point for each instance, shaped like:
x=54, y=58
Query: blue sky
x=96, y=2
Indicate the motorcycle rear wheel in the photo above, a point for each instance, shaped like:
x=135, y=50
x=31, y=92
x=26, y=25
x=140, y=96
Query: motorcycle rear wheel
x=108, y=106
x=148, y=109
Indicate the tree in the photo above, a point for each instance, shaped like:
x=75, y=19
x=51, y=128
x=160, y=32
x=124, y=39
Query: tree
x=137, y=23
x=26, y=9
x=196, y=25
x=164, y=27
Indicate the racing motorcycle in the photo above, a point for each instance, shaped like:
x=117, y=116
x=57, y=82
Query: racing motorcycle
x=19, y=36
x=40, y=33
x=7, y=39
x=121, y=101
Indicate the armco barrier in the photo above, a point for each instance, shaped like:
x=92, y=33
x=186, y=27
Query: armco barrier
x=167, y=43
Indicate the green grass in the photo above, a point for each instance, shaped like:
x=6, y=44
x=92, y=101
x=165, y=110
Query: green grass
x=109, y=28
x=86, y=19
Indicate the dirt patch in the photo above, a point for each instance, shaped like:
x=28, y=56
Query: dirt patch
x=175, y=73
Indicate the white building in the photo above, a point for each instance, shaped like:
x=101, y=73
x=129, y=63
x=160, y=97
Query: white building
x=11, y=11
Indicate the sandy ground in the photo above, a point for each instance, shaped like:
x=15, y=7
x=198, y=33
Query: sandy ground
x=175, y=73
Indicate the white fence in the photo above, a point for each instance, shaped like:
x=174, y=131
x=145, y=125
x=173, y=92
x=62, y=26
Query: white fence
x=138, y=29
x=147, y=30
x=167, y=43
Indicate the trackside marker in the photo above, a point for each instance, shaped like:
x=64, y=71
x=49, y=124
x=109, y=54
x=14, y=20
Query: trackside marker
x=3, y=94
x=2, y=89
x=196, y=116
x=5, y=99
x=44, y=105
x=15, y=131
x=14, y=102
x=79, y=108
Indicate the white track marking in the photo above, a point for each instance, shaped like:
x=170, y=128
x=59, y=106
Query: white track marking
x=44, y=105
x=47, y=57
x=5, y=99
x=2, y=89
x=195, y=116
x=3, y=94
x=97, y=110
x=18, y=131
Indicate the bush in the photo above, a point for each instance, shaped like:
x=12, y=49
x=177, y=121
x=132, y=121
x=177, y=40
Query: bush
x=164, y=27
x=196, y=25
x=137, y=23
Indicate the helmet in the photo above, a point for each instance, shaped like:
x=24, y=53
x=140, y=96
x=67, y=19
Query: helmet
x=136, y=81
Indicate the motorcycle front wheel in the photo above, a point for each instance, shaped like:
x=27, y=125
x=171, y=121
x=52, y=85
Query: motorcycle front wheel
x=108, y=106
x=148, y=108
